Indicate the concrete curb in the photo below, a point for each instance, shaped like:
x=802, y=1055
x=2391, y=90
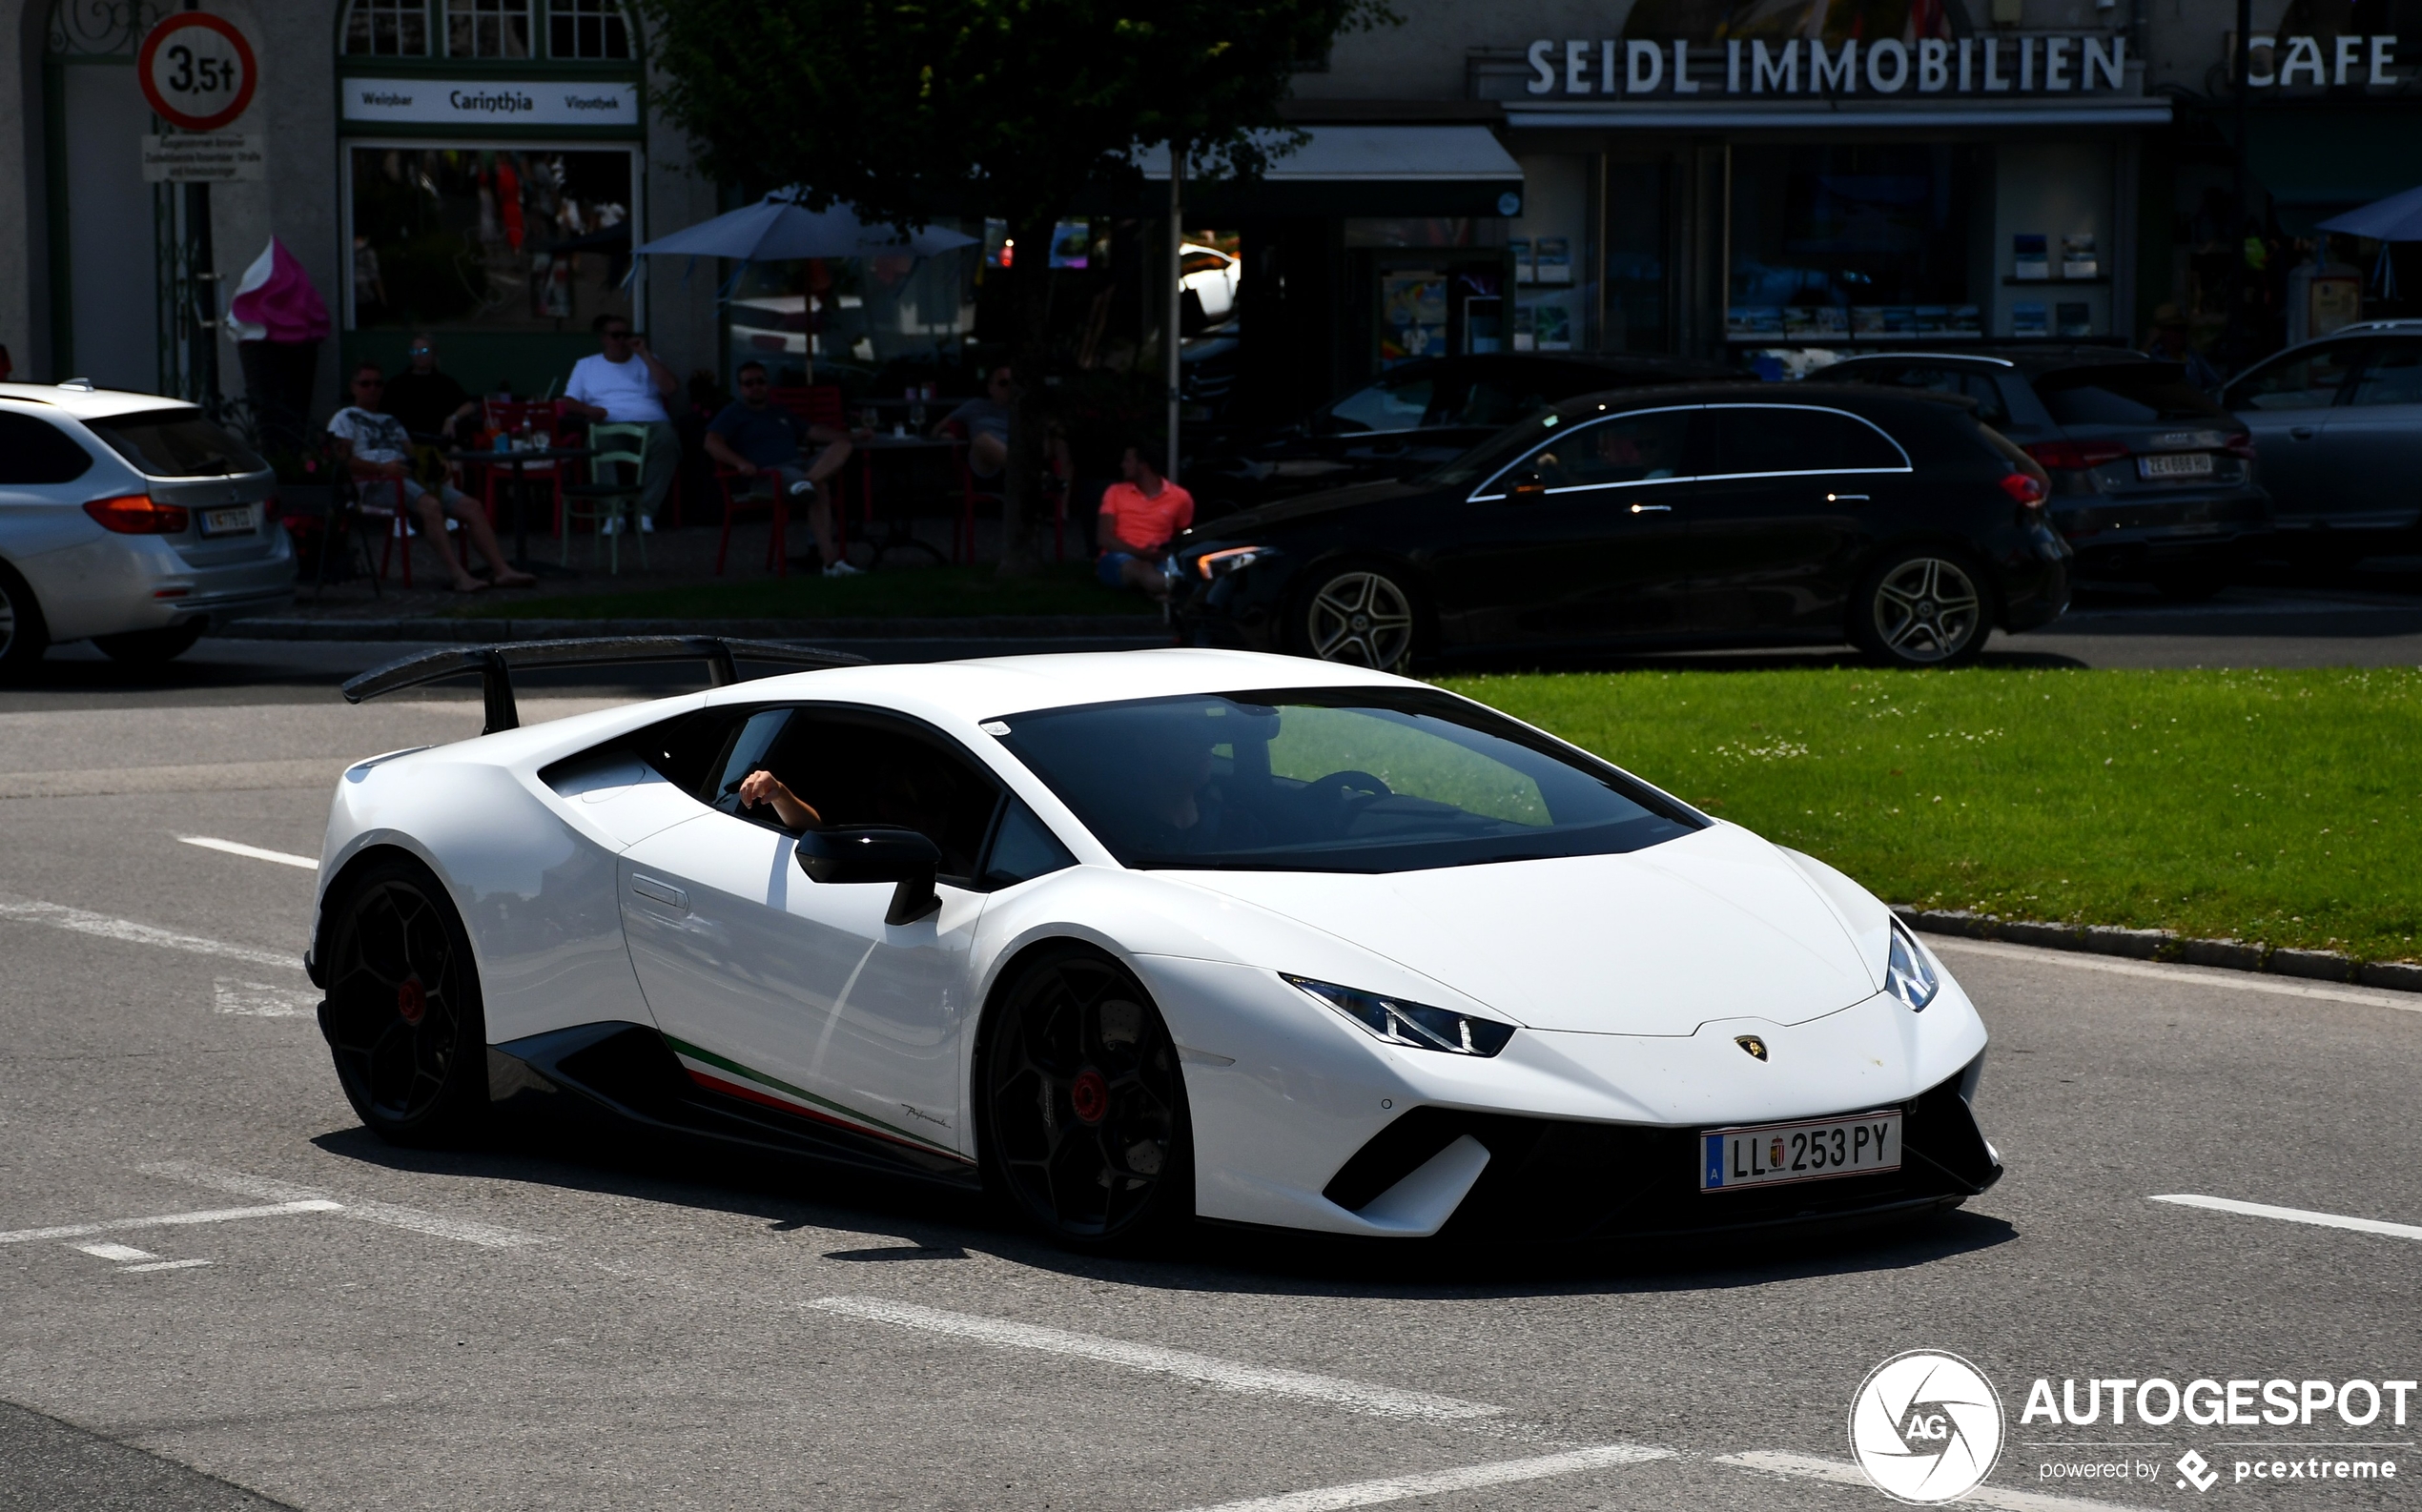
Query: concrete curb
x=451, y=628
x=2160, y=945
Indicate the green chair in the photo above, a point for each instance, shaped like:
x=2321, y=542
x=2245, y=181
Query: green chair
x=609, y=496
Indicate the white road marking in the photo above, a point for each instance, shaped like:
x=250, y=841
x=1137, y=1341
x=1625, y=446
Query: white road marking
x=2264, y=1210
x=1436, y=1483
x=124, y=1254
x=59, y=916
x=1354, y=1396
x=163, y=1220
x=263, y=1000
x=416, y=1219
x=2226, y=981
x=236, y=848
x=160, y=1265
x=1840, y=1472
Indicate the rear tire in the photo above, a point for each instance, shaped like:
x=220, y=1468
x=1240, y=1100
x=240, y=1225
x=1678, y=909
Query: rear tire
x=402, y=1013
x=1359, y=614
x=23, y=636
x=1923, y=606
x=1085, y=1132
x=149, y=648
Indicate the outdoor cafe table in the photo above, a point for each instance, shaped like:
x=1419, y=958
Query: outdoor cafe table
x=519, y=465
x=899, y=525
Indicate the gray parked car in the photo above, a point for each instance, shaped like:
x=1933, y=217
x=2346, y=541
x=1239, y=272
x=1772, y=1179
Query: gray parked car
x=2151, y=479
x=130, y=521
x=2339, y=424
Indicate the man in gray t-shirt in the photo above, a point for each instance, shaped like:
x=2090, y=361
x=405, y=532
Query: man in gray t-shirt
x=984, y=423
x=380, y=455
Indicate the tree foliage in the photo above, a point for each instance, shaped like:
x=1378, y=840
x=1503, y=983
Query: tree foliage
x=912, y=108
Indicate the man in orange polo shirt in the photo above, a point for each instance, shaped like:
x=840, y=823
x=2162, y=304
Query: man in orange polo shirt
x=1138, y=519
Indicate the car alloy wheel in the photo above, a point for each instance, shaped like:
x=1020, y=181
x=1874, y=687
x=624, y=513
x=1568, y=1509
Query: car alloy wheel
x=22, y=636
x=1361, y=618
x=1927, y=610
x=402, y=1011
x=1086, y=1129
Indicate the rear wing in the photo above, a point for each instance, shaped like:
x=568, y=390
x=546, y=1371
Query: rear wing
x=496, y=663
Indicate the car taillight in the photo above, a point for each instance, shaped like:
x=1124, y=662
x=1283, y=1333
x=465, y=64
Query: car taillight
x=2026, y=489
x=2241, y=444
x=2076, y=456
x=138, y=514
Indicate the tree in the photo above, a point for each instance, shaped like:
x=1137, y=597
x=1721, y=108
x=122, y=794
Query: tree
x=911, y=107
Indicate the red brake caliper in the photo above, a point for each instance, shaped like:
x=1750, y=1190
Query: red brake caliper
x=412, y=1001
x=1090, y=1096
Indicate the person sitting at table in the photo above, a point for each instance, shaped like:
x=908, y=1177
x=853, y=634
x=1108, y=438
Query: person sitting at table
x=984, y=423
x=1138, y=518
x=626, y=384
x=429, y=403
x=758, y=438
x=378, y=448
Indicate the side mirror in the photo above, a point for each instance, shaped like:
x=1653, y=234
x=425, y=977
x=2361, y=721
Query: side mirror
x=876, y=853
x=1524, y=488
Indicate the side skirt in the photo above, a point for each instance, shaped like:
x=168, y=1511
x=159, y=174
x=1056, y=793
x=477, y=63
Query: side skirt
x=628, y=1072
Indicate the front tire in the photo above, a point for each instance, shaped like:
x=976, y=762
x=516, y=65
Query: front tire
x=1359, y=614
x=1925, y=606
x=23, y=636
x=402, y=1013
x=1085, y=1128
x=149, y=648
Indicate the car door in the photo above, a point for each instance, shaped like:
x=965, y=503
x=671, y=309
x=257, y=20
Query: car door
x=2371, y=445
x=780, y=990
x=1782, y=511
x=2289, y=403
x=1579, y=541
x=42, y=480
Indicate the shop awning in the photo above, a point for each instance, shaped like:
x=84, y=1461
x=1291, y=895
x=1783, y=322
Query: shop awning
x=2316, y=163
x=1364, y=171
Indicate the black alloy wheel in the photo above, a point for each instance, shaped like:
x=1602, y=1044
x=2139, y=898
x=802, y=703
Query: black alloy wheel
x=1360, y=615
x=402, y=1011
x=1922, y=607
x=149, y=648
x=22, y=636
x=1084, y=1108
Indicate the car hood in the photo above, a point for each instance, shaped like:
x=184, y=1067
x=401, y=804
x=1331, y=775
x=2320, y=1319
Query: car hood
x=1716, y=925
x=1327, y=501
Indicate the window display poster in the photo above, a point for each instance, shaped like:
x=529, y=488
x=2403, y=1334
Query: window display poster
x=1520, y=249
x=2030, y=318
x=1555, y=259
x=1412, y=315
x=1552, y=327
x=2074, y=317
x=2030, y=256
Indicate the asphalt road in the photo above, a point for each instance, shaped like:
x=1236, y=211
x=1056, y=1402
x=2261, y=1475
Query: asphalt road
x=557, y=1322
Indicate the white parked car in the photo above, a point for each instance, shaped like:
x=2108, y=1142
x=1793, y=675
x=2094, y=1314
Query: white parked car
x=1134, y=938
x=130, y=521
x=1210, y=275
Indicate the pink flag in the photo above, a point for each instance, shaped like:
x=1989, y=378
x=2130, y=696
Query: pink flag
x=276, y=301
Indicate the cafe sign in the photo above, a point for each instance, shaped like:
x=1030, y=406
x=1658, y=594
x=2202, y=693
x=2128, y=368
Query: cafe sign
x=490, y=102
x=1581, y=66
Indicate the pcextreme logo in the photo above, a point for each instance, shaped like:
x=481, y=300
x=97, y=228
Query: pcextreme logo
x=1925, y=1426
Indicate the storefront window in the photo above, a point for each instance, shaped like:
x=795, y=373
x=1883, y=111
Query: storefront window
x=388, y=29
x=1848, y=242
x=1637, y=300
x=576, y=29
x=487, y=28
x=587, y=29
x=520, y=239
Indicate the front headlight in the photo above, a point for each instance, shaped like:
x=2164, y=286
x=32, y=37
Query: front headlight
x=1220, y=564
x=1908, y=976
x=1417, y=1025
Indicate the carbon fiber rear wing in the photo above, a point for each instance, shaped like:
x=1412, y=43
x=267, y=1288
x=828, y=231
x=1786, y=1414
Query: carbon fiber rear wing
x=496, y=663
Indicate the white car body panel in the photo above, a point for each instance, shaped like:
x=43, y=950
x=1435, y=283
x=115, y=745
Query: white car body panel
x=1632, y=976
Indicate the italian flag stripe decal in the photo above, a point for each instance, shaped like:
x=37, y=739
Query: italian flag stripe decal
x=823, y=1109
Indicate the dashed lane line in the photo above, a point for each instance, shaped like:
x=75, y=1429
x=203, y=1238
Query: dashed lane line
x=80, y=921
x=2224, y=981
x=162, y=1221
x=1809, y=1467
x=1439, y=1482
x=161, y=1265
x=123, y=1254
x=236, y=847
x=2264, y=1210
x=420, y=1221
x=1354, y=1396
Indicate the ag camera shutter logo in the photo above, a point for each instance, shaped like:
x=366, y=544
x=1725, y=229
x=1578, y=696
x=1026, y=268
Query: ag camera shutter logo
x=1925, y=1427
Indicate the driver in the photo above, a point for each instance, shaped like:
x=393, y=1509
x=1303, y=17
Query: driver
x=1181, y=810
x=762, y=786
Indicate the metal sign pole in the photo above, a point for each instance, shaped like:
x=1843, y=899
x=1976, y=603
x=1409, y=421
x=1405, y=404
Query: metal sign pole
x=1177, y=290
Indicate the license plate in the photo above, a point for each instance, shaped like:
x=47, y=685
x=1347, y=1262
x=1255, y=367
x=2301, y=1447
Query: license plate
x=1771, y=1155
x=2175, y=465
x=237, y=519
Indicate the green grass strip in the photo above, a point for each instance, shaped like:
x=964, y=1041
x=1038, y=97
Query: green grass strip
x=2268, y=805
x=724, y=1063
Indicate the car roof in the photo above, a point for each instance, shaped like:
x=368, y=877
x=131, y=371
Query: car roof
x=2027, y=361
x=1003, y=687
x=1853, y=397
x=88, y=404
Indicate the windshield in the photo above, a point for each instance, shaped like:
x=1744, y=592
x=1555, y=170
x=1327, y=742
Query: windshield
x=176, y=443
x=1485, y=459
x=2130, y=394
x=1368, y=779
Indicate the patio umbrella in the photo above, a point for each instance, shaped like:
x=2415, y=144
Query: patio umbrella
x=778, y=229
x=2395, y=218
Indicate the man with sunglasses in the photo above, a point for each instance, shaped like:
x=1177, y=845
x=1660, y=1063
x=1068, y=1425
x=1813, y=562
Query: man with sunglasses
x=429, y=403
x=626, y=384
x=379, y=453
x=758, y=438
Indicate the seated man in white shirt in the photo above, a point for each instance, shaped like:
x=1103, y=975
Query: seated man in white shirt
x=382, y=450
x=626, y=384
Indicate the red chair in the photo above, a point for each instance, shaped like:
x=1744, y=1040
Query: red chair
x=512, y=418
x=969, y=493
x=392, y=520
x=817, y=405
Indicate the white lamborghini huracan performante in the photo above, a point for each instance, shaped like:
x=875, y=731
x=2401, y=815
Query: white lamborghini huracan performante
x=1137, y=938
